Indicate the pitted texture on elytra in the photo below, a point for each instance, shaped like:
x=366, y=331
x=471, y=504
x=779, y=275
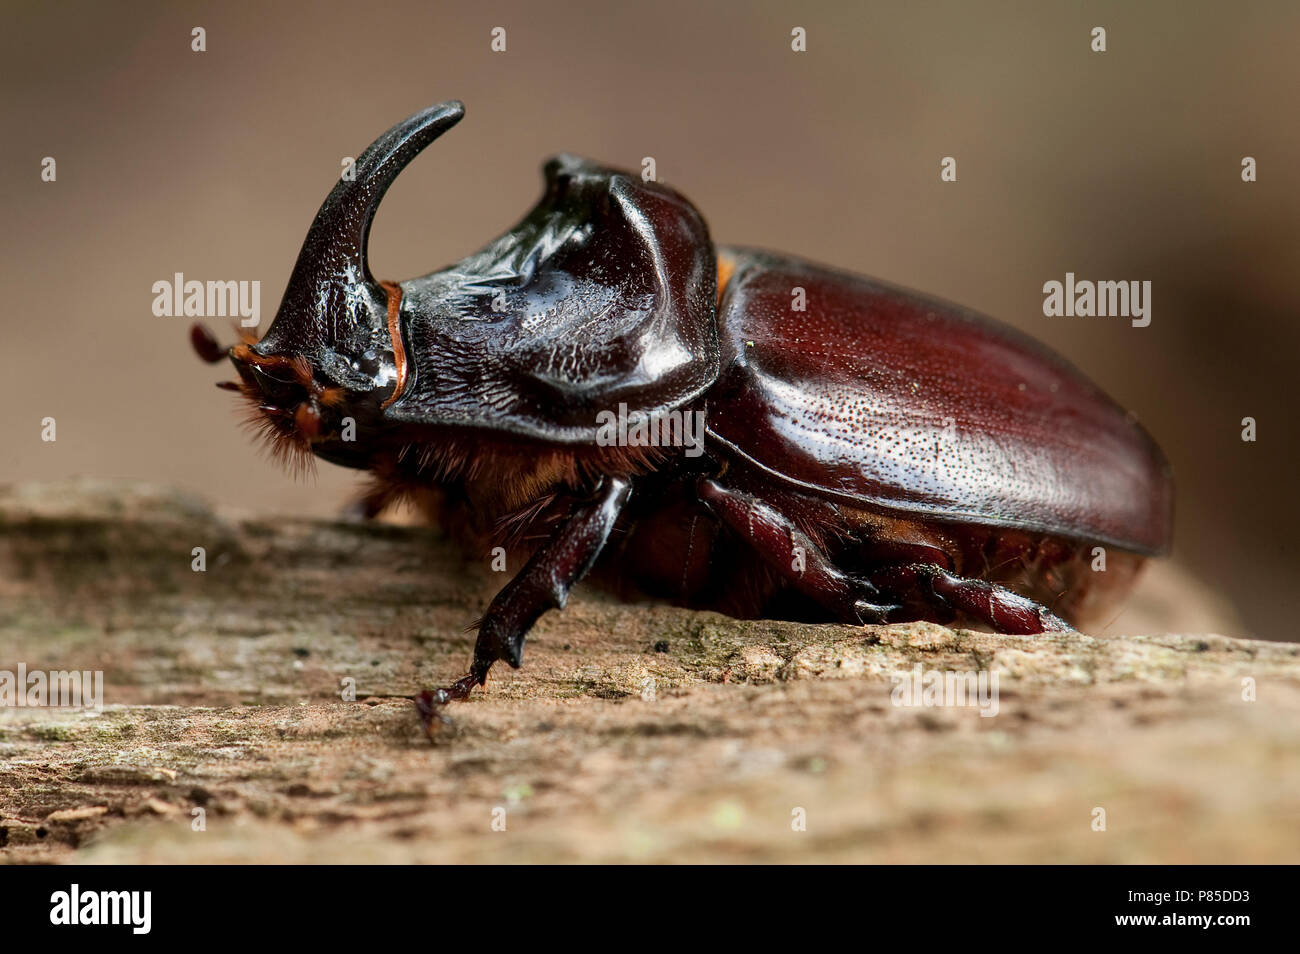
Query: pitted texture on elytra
x=884, y=395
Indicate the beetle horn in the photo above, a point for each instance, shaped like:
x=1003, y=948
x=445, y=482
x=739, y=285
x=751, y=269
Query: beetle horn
x=332, y=302
x=335, y=247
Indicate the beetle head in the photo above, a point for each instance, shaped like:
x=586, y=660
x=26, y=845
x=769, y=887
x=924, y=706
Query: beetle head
x=601, y=297
x=328, y=355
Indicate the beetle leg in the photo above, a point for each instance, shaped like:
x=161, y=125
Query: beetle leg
x=794, y=555
x=542, y=584
x=927, y=588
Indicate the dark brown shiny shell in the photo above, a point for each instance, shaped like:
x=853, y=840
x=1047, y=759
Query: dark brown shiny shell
x=603, y=295
x=879, y=395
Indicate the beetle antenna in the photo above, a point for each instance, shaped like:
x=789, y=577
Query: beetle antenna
x=206, y=346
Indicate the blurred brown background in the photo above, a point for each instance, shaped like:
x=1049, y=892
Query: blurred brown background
x=1122, y=165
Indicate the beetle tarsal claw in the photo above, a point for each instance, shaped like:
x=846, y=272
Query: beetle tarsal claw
x=430, y=703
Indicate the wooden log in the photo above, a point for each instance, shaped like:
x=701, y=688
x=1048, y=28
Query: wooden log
x=634, y=732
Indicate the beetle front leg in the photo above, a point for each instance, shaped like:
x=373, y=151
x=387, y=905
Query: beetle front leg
x=542, y=584
x=940, y=596
x=793, y=554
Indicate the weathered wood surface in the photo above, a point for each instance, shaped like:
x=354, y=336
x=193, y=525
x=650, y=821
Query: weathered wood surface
x=633, y=732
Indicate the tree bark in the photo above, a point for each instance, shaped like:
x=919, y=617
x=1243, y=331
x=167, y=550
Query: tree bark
x=633, y=732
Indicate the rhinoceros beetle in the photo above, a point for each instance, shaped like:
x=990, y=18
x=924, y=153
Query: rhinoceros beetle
x=867, y=454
